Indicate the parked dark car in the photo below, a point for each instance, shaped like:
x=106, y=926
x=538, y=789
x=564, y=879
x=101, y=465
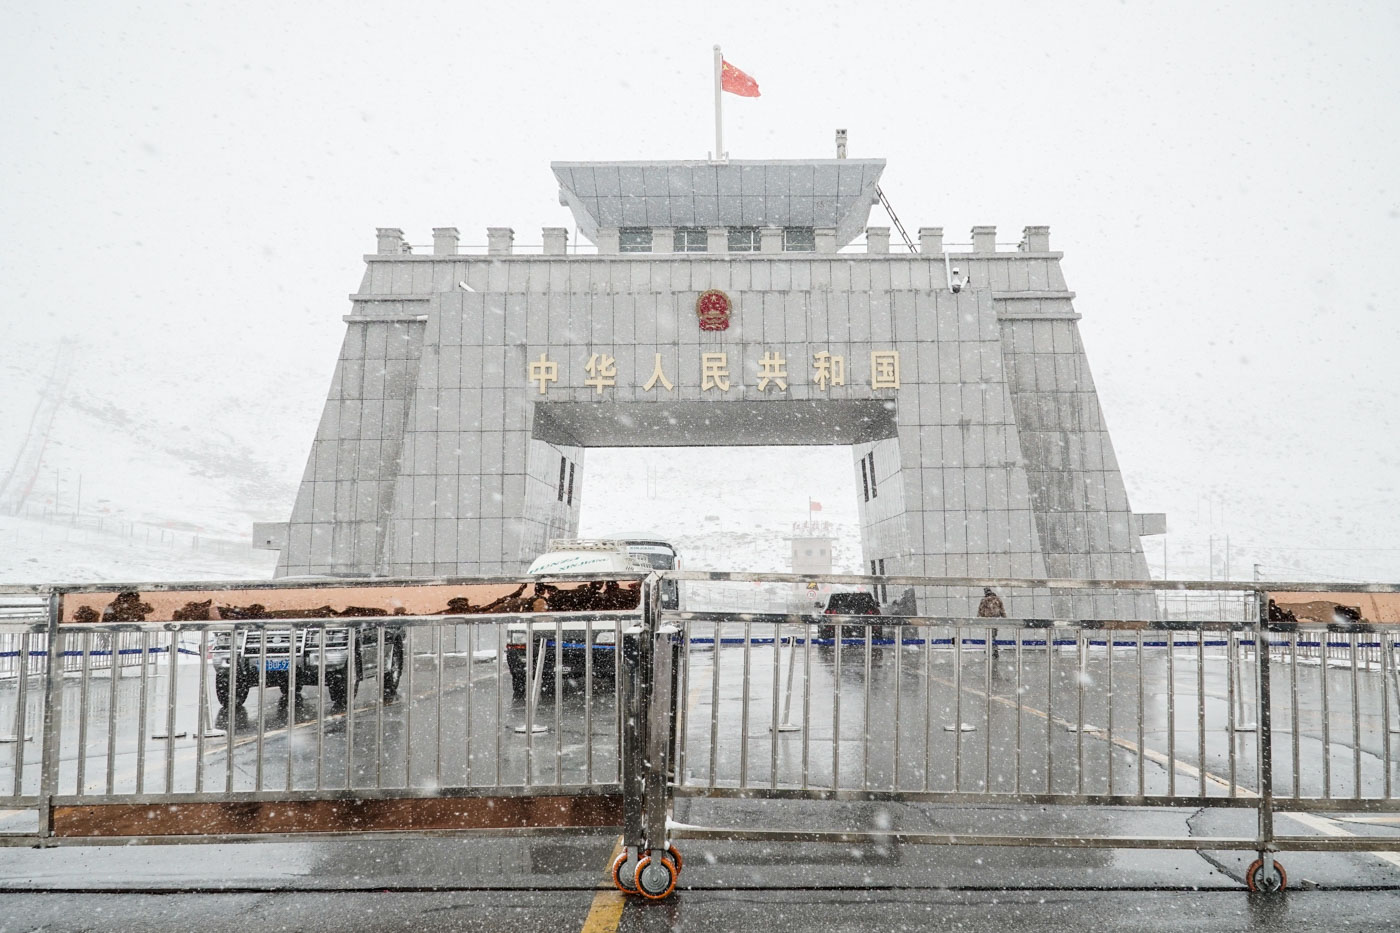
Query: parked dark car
x=850, y=604
x=351, y=656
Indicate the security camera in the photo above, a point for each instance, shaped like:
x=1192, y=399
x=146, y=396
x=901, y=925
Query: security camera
x=956, y=283
x=465, y=287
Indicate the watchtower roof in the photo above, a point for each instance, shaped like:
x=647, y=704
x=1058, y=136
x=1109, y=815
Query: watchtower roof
x=834, y=193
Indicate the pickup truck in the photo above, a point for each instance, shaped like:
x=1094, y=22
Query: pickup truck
x=291, y=658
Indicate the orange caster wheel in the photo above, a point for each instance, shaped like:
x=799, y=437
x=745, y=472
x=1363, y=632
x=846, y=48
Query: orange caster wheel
x=1273, y=885
x=655, y=880
x=618, y=875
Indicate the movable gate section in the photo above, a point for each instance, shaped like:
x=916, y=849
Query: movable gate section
x=1187, y=709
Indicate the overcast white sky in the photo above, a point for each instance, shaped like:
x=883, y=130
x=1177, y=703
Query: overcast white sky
x=189, y=188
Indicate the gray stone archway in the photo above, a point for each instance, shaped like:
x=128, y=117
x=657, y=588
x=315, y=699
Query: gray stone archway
x=470, y=386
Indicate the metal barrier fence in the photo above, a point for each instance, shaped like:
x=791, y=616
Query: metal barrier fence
x=1005, y=713
x=454, y=721
x=105, y=650
x=534, y=717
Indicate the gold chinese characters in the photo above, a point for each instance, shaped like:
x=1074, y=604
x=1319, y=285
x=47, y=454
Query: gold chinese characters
x=828, y=370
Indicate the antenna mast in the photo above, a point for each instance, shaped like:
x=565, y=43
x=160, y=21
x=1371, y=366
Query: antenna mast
x=884, y=201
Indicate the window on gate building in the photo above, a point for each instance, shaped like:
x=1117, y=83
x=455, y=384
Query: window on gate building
x=634, y=240
x=743, y=239
x=692, y=240
x=799, y=240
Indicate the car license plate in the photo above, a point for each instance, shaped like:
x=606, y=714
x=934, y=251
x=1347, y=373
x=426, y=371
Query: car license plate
x=271, y=666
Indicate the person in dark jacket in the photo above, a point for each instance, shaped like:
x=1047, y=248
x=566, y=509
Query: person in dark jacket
x=991, y=608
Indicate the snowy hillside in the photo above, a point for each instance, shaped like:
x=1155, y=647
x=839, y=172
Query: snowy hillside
x=36, y=551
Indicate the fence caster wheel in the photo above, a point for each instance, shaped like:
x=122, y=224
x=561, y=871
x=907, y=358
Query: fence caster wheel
x=622, y=879
x=1273, y=885
x=655, y=880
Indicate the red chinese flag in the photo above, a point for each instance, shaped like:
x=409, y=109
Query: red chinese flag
x=813, y=505
x=736, y=82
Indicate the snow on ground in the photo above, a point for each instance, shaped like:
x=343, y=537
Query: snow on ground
x=724, y=508
x=35, y=551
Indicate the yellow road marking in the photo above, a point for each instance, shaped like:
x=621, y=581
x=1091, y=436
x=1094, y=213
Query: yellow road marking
x=606, y=911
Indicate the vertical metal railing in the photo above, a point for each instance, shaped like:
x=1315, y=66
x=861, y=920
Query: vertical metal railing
x=1168, y=710
x=155, y=732
x=890, y=712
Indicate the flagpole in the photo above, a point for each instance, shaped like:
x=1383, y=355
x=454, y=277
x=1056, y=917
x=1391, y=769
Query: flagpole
x=719, y=121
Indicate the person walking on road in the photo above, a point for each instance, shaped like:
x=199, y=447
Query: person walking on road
x=991, y=608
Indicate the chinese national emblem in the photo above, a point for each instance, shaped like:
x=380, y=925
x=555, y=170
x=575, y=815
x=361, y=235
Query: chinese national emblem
x=713, y=307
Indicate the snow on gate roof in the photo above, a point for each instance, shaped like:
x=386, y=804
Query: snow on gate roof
x=835, y=193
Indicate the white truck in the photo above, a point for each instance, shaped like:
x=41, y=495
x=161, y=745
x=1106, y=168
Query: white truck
x=573, y=642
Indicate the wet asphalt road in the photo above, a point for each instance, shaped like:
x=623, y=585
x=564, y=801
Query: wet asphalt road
x=715, y=912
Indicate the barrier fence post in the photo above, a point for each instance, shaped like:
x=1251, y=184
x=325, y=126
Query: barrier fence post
x=1264, y=876
x=48, y=743
x=659, y=722
x=630, y=669
x=656, y=869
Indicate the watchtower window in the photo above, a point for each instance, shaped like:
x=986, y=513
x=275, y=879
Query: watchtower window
x=634, y=240
x=743, y=239
x=692, y=240
x=799, y=240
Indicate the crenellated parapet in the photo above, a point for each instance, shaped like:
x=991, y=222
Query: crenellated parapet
x=1024, y=278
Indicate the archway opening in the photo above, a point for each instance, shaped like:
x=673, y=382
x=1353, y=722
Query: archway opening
x=757, y=509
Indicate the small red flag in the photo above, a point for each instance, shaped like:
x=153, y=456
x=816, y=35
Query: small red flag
x=736, y=82
x=813, y=505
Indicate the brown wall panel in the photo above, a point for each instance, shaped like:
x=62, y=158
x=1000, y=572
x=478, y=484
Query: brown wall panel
x=336, y=816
